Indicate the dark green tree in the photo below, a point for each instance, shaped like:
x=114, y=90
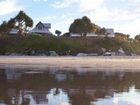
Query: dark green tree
x=3, y=27
x=67, y=34
x=58, y=33
x=22, y=22
x=11, y=23
x=83, y=26
x=78, y=26
x=137, y=37
x=102, y=31
x=88, y=24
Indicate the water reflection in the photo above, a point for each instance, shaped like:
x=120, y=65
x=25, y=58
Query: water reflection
x=125, y=98
x=28, y=87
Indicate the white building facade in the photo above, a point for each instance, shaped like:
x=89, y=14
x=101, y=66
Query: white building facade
x=109, y=31
x=42, y=28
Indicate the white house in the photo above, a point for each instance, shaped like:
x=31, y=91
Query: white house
x=91, y=34
x=42, y=28
x=75, y=35
x=13, y=31
x=109, y=31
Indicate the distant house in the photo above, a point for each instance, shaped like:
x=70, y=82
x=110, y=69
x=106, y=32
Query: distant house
x=109, y=33
x=13, y=31
x=42, y=28
x=91, y=34
x=75, y=35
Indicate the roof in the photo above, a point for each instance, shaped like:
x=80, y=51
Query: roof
x=46, y=25
x=44, y=29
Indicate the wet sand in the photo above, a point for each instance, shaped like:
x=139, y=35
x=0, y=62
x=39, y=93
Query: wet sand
x=92, y=63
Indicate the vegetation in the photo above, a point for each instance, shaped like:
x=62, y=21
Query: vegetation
x=64, y=45
x=58, y=33
x=83, y=26
x=36, y=44
x=21, y=22
x=137, y=37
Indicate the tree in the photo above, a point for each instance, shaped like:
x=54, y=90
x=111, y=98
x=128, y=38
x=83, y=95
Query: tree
x=22, y=21
x=11, y=23
x=137, y=37
x=88, y=24
x=121, y=36
x=78, y=26
x=102, y=31
x=67, y=34
x=83, y=26
x=58, y=33
x=3, y=27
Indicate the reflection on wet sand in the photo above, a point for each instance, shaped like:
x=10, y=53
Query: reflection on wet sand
x=51, y=87
x=112, y=63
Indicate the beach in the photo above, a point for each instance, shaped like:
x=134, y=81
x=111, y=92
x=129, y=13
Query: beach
x=109, y=63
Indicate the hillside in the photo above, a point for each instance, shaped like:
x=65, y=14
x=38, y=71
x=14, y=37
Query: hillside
x=65, y=45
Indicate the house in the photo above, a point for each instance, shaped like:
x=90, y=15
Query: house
x=75, y=35
x=91, y=34
x=13, y=31
x=87, y=35
x=109, y=33
x=42, y=28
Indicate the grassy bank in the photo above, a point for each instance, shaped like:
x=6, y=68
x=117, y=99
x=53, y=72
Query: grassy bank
x=64, y=45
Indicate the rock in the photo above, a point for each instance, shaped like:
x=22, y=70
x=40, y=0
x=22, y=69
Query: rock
x=103, y=49
x=107, y=54
x=81, y=54
x=53, y=53
x=121, y=51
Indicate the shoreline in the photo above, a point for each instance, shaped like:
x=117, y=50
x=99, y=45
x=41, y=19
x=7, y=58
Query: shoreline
x=93, y=63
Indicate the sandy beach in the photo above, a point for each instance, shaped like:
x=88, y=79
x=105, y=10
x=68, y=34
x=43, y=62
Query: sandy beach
x=94, y=63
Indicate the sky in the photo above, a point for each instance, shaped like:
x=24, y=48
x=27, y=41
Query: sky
x=122, y=15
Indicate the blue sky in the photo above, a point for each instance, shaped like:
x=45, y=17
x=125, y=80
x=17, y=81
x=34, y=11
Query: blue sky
x=122, y=15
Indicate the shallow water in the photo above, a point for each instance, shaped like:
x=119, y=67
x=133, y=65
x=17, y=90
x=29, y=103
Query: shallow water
x=68, y=87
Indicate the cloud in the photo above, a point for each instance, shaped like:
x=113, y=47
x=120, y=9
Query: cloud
x=84, y=5
x=57, y=23
x=63, y=3
x=131, y=27
x=46, y=18
x=89, y=5
x=122, y=15
x=103, y=14
x=125, y=19
x=40, y=0
x=9, y=6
